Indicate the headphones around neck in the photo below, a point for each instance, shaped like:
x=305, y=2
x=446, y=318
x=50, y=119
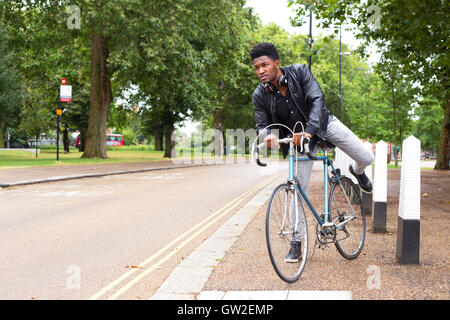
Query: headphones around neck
x=282, y=82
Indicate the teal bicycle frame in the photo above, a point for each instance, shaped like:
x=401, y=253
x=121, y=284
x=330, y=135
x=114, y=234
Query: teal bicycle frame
x=326, y=162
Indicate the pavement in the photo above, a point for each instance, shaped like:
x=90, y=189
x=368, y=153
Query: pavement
x=233, y=263
x=32, y=175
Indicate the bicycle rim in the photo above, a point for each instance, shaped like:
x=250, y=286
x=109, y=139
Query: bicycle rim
x=345, y=205
x=280, y=222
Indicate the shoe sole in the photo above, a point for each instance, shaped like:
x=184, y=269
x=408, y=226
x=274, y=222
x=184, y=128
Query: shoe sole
x=359, y=182
x=291, y=260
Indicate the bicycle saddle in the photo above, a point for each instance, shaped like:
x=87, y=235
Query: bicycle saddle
x=324, y=144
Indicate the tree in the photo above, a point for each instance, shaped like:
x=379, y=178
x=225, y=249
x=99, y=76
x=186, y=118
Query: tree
x=42, y=30
x=427, y=126
x=45, y=51
x=10, y=87
x=35, y=117
x=194, y=51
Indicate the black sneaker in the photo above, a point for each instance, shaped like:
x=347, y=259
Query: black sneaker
x=295, y=252
x=363, y=181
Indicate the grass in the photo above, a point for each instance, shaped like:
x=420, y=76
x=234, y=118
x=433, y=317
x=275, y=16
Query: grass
x=47, y=157
x=392, y=166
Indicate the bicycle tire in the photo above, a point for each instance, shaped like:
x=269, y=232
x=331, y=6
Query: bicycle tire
x=350, y=237
x=279, y=234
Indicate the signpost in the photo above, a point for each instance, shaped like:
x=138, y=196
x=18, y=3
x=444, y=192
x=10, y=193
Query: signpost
x=64, y=95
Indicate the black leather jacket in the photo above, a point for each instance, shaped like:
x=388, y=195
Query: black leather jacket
x=308, y=97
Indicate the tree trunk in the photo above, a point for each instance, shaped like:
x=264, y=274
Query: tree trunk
x=36, y=144
x=218, y=128
x=443, y=154
x=100, y=99
x=2, y=134
x=82, y=140
x=395, y=126
x=158, y=139
x=168, y=143
x=66, y=139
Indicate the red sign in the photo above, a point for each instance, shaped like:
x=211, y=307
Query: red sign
x=63, y=81
x=65, y=93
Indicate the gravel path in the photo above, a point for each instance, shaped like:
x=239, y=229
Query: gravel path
x=375, y=274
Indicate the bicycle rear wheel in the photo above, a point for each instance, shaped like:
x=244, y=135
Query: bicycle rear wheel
x=284, y=226
x=347, y=213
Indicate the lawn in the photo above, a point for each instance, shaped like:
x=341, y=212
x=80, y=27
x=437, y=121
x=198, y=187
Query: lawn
x=47, y=157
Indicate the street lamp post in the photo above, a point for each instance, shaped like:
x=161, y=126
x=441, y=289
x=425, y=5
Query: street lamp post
x=340, y=69
x=310, y=40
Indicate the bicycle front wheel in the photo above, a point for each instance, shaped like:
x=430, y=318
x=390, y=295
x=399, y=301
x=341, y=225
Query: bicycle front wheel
x=285, y=223
x=347, y=213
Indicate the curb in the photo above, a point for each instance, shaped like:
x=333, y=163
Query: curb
x=94, y=175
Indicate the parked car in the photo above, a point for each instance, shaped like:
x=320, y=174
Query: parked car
x=114, y=140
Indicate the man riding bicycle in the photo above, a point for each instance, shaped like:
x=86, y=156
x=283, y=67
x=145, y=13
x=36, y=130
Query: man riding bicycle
x=289, y=95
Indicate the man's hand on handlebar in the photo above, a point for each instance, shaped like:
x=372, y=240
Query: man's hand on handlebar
x=271, y=140
x=298, y=136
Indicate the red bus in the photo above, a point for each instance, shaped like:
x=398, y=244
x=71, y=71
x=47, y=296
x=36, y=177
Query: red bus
x=114, y=140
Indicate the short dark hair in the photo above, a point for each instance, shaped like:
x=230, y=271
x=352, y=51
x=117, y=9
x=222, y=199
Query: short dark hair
x=264, y=49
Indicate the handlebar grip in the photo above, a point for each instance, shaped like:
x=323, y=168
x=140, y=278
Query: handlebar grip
x=259, y=162
x=306, y=148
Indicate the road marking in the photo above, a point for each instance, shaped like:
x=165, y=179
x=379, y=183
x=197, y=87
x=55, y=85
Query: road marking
x=213, y=217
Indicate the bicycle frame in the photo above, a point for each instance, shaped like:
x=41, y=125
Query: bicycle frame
x=326, y=163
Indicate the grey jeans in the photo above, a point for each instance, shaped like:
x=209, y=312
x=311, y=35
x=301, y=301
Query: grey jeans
x=343, y=138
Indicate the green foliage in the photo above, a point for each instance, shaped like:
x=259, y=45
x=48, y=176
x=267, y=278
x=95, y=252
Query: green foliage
x=413, y=37
x=427, y=127
x=35, y=115
x=10, y=86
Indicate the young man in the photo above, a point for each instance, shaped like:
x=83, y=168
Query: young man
x=291, y=94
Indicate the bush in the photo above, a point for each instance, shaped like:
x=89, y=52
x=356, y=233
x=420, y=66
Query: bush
x=129, y=136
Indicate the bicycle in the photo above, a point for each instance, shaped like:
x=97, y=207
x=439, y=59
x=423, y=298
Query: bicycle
x=343, y=221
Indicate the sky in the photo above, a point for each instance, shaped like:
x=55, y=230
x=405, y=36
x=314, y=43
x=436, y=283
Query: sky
x=277, y=11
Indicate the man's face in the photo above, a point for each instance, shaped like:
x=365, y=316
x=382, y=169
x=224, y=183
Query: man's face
x=266, y=69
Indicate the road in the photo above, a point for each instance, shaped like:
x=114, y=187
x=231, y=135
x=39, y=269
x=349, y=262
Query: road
x=115, y=237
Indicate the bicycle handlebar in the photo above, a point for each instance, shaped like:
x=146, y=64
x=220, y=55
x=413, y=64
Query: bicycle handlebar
x=305, y=141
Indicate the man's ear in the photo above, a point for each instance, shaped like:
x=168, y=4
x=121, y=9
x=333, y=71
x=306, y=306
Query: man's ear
x=277, y=63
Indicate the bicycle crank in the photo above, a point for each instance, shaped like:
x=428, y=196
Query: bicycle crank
x=325, y=234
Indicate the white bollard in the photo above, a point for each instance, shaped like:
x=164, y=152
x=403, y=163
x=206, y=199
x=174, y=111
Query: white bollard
x=408, y=228
x=366, y=198
x=379, y=208
x=338, y=161
x=342, y=162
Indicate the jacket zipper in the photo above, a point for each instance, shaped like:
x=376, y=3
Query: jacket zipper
x=290, y=88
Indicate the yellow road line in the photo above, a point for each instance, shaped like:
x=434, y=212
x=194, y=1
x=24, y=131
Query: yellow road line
x=214, y=217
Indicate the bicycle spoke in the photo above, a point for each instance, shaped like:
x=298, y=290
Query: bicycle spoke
x=280, y=221
x=345, y=206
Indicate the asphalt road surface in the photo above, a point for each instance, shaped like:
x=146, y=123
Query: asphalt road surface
x=116, y=237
